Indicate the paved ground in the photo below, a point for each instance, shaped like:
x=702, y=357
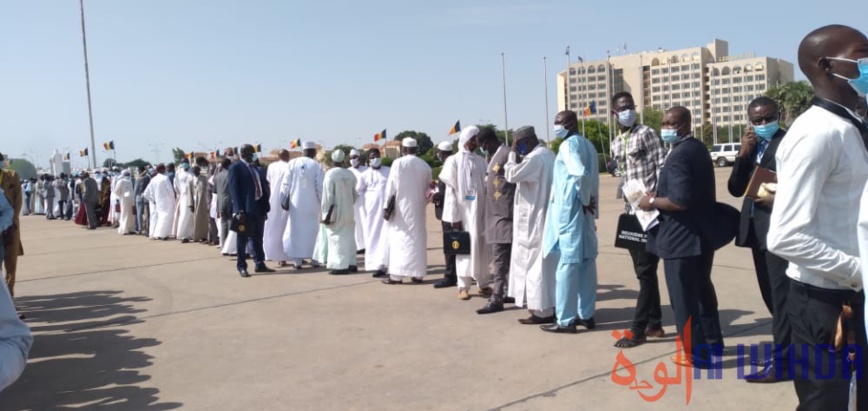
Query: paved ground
x=123, y=323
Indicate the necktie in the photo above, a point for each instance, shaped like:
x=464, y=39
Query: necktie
x=256, y=182
x=761, y=149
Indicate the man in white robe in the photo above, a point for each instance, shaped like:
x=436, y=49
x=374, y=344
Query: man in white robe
x=184, y=182
x=408, y=234
x=464, y=176
x=123, y=191
x=301, y=195
x=372, y=192
x=162, y=195
x=531, y=274
x=338, y=211
x=275, y=225
x=358, y=168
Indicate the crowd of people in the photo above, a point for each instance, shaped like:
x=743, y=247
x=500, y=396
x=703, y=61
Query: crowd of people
x=519, y=221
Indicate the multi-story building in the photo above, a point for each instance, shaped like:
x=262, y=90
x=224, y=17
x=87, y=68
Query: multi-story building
x=715, y=86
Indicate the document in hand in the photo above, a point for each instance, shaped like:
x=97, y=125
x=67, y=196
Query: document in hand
x=760, y=176
x=634, y=190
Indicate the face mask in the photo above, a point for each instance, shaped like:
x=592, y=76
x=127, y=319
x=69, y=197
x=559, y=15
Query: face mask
x=484, y=151
x=560, y=131
x=376, y=161
x=521, y=148
x=669, y=135
x=627, y=118
x=354, y=162
x=185, y=166
x=860, y=84
x=767, y=131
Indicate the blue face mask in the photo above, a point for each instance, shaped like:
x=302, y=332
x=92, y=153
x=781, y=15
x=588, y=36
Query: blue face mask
x=521, y=148
x=669, y=135
x=560, y=131
x=767, y=131
x=860, y=84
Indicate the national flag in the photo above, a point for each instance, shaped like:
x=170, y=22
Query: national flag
x=66, y=157
x=591, y=108
x=82, y=153
x=189, y=155
x=109, y=145
x=380, y=136
x=456, y=128
x=257, y=148
x=295, y=143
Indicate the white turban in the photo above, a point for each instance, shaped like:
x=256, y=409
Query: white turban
x=466, y=135
x=309, y=145
x=354, y=152
x=338, y=156
x=408, y=142
x=445, y=146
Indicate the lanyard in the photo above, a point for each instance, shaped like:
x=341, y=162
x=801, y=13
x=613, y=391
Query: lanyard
x=625, y=137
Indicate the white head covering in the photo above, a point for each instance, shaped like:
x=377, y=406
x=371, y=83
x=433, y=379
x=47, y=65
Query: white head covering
x=445, y=146
x=466, y=187
x=408, y=142
x=309, y=145
x=354, y=152
x=338, y=156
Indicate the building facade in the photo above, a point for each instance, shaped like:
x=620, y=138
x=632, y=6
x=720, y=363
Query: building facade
x=715, y=86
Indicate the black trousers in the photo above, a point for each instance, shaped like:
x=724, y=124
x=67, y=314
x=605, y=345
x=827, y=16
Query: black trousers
x=502, y=254
x=648, y=312
x=771, y=275
x=92, y=217
x=693, y=298
x=813, y=313
x=449, y=275
x=257, y=226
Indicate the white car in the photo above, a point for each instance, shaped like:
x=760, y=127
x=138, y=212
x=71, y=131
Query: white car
x=724, y=154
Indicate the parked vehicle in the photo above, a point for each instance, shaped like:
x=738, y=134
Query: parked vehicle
x=724, y=154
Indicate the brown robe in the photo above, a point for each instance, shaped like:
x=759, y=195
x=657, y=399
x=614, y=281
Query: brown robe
x=11, y=184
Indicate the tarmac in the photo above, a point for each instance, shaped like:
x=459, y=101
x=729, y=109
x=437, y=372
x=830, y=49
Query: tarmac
x=125, y=323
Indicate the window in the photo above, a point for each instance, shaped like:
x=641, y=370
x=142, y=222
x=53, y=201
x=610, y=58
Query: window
x=696, y=102
x=592, y=87
x=696, y=75
x=665, y=71
x=726, y=81
x=572, y=71
x=725, y=118
x=725, y=90
x=655, y=89
x=573, y=88
x=761, y=87
x=717, y=110
x=716, y=82
x=717, y=100
x=750, y=88
x=676, y=87
x=573, y=96
x=658, y=107
x=665, y=88
x=736, y=89
x=726, y=99
x=748, y=78
x=685, y=76
x=656, y=98
x=685, y=67
x=737, y=117
x=695, y=66
x=726, y=109
x=696, y=112
x=760, y=77
x=572, y=81
x=675, y=69
x=736, y=99
x=695, y=84
x=676, y=95
x=655, y=72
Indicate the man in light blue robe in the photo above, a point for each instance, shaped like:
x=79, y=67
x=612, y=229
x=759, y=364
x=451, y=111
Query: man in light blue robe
x=570, y=231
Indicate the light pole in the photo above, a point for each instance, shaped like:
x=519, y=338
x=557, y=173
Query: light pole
x=505, y=121
x=87, y=82
x=546, y=83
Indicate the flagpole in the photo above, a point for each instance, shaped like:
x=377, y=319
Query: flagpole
x=505, y=121
x=546, y=87
x=582, y=80
x=567, y=82
x=87, y=82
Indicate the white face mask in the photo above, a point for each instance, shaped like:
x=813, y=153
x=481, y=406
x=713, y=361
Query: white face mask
x=354, y=162
x=375, y=162
x=560, y=131
x=627, y=118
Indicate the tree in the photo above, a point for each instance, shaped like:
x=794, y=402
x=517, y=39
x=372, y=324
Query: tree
x=24, y=168
x=501, y=135
x=707, y=134
x=653, y=118
x=109, y=163
x=598, y=133
x=178, y=155
x=423, y=140
x=793, y=99
x=136, y=164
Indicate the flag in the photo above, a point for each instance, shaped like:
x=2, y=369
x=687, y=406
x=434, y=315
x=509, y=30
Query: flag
x=380, y=136
x=295, y=143
x=66, y=157
x=257, y=148
x=189, y=155
x=456, y=128
x=591, y=108
x=82, y=153
x=109, y=145
x=230, y=151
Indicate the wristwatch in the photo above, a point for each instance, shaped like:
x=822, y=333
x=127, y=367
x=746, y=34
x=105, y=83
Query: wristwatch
x=651, y=201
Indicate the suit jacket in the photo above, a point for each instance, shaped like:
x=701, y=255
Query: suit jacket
x=687, y=179
x=221, y=189
x=91, y=191
x=739, y=179
x=242, y=190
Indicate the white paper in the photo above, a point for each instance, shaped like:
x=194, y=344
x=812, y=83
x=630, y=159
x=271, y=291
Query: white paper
x=634, y=190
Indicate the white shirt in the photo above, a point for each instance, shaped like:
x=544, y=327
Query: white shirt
x=822, y=170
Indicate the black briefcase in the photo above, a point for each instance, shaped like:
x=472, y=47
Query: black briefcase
x=456, y=243
x=629, y=233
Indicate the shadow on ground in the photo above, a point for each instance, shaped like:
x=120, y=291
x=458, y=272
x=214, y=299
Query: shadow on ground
x=82, y=356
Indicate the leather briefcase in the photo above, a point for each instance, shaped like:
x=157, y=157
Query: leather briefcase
x=629, y=233
x=456, y=243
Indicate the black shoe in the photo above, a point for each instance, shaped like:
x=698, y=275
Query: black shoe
x=417, y=280
x=556, y=328
x=362, y=251
x=339, y=272
x=185, y=240
x=536, y=320
x=490, y=308
x=379, y=274
x=243, y=272
x=509, y=300
x=589, y=323
x=767, y=376
x=354, y=269
x=390, y=281
x=444, y=283
x=263, y=269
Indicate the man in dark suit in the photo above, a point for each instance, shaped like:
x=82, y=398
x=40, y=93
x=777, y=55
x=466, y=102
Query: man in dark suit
x=758, y=147
x=686, y=200
x=249, y=191
x=224, y=200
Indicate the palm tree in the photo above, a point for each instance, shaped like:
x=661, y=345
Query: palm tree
x=793, y=98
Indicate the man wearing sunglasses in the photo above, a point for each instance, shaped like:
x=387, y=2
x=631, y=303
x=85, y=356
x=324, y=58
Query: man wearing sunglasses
x=758, y=148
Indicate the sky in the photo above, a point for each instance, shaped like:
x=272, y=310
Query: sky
x=206, y=74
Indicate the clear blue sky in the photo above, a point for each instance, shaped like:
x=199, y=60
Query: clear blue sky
x=199, y=74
